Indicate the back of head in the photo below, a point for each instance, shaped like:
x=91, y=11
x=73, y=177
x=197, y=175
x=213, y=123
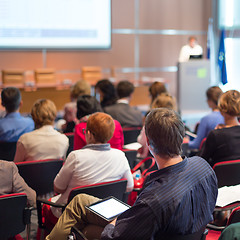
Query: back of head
x=108, y=90
x=102, y=126
x=43, y=112
x=124, y=89
x=11, y=98
x=213, y=94
x=164, y=100
x=165, y=131
x=86, y=105
x=81, y=87
x=229, y=103
x=156, y=89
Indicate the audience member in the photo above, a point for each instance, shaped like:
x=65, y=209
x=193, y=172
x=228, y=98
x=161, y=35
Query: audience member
x=13, y=125
x=86, y=105
x=179, y=198
x=127, y=116
x=164, y=100
x=156, y=89
x=106, y=93
x=96, y=162
x=44, y=142
x=12, y=182
x=210, y=121
x=80, y=88
x=190, y=49
x=222, y=144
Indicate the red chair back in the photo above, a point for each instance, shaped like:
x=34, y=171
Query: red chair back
x=40, y=174
x=130, y=134
x=14, y=215
x=227, y=173
x=102, y=190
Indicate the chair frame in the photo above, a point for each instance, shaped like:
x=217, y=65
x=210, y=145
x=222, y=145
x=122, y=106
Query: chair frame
x=15, y=215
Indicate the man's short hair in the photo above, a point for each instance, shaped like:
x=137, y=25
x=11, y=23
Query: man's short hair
x=43, y=112
x=11, y=98
x=125, y=89
x=165, y=131
x=102, y=126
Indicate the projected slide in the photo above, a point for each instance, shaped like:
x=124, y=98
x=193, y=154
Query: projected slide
x=84, y=24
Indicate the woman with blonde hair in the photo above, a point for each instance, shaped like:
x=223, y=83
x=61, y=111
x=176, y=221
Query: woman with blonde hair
x=222, y=144
x=44, y=142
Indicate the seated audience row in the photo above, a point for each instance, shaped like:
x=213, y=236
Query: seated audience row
x=173, y=202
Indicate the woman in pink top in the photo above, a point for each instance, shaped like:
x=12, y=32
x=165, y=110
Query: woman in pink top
x=86, y=105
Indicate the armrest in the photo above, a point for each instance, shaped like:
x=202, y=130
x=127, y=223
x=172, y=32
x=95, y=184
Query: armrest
x=40, y=202
x=214, y=227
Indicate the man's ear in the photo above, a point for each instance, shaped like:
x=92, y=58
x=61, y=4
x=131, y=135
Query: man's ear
x=21, y=103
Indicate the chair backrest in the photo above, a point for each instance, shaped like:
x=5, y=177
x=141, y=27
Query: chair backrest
x=7, y=150
x=70, y=137
x=234, y=216
x=102, y=190
x=131, y=156
x=13, y=214
x=130, y=134
x=227, y=173
x=39, y=175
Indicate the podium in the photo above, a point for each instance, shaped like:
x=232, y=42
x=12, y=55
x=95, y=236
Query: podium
x=192, y=83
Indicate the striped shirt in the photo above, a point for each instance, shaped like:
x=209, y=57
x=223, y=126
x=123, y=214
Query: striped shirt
x=178, y=199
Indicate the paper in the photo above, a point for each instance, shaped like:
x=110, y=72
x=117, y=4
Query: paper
x=228, y=195
x=132, y=146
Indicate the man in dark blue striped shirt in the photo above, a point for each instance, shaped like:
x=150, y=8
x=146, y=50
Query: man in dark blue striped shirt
x=179, y=198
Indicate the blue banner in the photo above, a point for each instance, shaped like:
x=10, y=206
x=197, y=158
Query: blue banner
x=222, y=58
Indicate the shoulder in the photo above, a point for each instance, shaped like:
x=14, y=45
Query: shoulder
x=198, y=164
x=6, y=165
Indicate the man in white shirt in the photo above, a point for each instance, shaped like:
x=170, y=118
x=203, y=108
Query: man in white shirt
x=192, y=48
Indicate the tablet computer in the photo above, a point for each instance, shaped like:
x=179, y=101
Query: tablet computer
x=108, y=208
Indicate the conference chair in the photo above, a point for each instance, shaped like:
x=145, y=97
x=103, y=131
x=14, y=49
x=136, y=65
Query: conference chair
x=70, y=137
x=40, y=174
x=7, y=150
x=14, y=215
x=227, y=172
x=115, y=188
x=131, y=156
x=130, y=134
x=215, y=231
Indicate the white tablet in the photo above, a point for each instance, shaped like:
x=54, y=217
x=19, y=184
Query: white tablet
x=108, y=208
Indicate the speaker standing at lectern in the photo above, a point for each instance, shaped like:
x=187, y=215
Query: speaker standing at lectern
x=191, y=50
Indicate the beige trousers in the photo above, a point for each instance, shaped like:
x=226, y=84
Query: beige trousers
x=77, y=215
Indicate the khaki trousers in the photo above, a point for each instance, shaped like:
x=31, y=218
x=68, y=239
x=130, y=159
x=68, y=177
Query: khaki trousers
x=77, y=215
